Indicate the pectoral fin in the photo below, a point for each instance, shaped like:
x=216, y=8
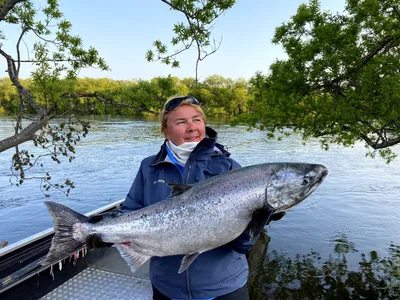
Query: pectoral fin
x=133, y=259
x=258, y=221
x=187, y=261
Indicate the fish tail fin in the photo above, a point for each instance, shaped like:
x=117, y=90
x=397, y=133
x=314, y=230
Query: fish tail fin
x=63, y=242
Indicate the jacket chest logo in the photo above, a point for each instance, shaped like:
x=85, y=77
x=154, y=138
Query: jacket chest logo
x=159, y=181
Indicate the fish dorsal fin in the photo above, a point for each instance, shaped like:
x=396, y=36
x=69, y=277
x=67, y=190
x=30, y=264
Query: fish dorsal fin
x=187, y=261
x=133, y=259
x=179, y=188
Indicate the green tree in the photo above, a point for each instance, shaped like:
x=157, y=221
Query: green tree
x=341, y=80
x=56, y=54
x=224, y=96
x=234, y=96
x=8, y=97
x=200, y=16
x=165, y=87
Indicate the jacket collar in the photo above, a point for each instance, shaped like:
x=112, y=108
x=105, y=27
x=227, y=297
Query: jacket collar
x=206, y=146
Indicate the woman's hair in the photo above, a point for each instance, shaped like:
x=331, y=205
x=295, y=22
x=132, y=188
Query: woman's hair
x=164, y=113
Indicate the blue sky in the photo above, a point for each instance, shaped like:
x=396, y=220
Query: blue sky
x=122, y=31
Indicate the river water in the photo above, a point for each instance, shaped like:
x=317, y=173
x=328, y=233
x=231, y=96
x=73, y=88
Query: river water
x=359, y=199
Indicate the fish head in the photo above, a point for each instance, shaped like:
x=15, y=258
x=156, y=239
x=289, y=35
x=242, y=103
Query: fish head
x=291, y=183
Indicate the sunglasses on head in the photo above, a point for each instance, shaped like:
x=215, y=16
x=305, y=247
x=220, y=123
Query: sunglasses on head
x=174, y=103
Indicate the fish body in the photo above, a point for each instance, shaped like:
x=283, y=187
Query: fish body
x=195, y=218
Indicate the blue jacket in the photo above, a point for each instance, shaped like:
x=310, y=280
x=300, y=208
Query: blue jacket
x=214, y=273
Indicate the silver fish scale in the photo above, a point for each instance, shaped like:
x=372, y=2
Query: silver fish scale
x=102, y=285
x=210, y=214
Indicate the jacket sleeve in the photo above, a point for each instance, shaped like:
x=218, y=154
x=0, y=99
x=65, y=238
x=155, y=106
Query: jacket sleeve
x=134, y=199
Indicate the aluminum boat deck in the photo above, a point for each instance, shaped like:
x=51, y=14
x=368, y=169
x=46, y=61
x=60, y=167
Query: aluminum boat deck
x=107, y=277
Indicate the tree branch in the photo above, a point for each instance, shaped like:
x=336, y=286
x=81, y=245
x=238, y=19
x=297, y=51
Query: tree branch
x=197, y=29
x=23, y=93
x=96, y=96
x=186, y=47
x=108, y=101
x=396, y=11
x=373, y=129
x=50, y=60
x=383, y=144
x=26, y=134
x=177, y=8
x=42, y=38
x=9, y=5
x=18, y=52
x=387, y=40
x=373, y=144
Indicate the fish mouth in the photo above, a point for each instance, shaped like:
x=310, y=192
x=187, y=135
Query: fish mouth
x=318, y=181
x=323, y=175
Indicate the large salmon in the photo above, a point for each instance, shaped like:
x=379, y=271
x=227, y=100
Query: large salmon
x=194, y=219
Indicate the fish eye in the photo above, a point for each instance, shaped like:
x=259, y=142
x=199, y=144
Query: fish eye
x=306, y=181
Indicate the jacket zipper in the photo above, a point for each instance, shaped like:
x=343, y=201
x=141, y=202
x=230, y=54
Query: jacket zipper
x=188, y=173
x=190, y=164
x=188, y=284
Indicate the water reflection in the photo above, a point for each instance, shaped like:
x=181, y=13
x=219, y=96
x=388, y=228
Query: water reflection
x=276, y=275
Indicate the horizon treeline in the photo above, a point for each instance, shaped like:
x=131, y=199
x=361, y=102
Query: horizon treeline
x=218, y=96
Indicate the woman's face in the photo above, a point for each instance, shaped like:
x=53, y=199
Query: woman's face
x=184, y=124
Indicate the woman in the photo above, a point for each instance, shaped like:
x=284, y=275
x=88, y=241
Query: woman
x=189, y=154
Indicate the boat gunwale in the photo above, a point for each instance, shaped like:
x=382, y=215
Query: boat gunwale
x=37, y=236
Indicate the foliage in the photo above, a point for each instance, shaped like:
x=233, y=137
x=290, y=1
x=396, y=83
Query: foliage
x=311, y=277
x=341, y=80
x=200, y=17
x=219, y=96
x=9, y=96
x=57, y=56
